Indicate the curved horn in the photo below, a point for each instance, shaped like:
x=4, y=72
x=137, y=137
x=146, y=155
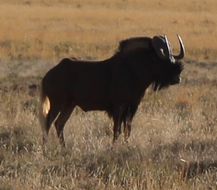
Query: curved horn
x=161, y=46
x=182, y=49
x=168, y=46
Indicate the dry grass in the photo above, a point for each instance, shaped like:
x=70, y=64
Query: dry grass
x=176, y=123
x=50, y=30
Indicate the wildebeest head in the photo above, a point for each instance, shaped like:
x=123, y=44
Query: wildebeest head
x=169, y=66
x=153, y=58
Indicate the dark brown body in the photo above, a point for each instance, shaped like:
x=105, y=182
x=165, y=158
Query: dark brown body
x=115, y=85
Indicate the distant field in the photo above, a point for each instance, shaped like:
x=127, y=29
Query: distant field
x=180, y=122
x=91, y=29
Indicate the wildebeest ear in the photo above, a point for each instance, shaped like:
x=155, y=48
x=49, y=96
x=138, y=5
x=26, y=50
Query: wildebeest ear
x=161, y=46
x=131, y=44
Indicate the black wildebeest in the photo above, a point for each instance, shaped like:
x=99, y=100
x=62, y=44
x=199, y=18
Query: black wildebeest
x=115, y=85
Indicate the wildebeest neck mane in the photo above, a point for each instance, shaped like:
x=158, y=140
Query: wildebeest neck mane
x=132, y=44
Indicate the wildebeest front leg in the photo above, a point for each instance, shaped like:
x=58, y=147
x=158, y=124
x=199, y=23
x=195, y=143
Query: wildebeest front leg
x=127, y=129
x=117, y=126
x=117, y=123
x=128, y=120
x=61, y=121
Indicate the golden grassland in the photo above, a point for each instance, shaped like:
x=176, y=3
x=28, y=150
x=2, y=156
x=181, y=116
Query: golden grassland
x=177, y=123
x=92, y=28
x=173, y=124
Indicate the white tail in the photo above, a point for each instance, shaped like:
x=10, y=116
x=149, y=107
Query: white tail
x=44, y=110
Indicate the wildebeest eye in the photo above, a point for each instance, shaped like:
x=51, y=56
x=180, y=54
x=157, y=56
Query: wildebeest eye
x=163, y=48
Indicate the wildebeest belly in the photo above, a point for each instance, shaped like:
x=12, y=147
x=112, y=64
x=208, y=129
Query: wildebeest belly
x=91, y=93
x=90, y=106
x=93, y=97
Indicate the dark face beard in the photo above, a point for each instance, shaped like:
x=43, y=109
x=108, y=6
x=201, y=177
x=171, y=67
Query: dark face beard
x=170, y=76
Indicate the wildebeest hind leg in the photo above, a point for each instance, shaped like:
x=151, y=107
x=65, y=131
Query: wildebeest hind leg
x=53, y=112
x=61, y=121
